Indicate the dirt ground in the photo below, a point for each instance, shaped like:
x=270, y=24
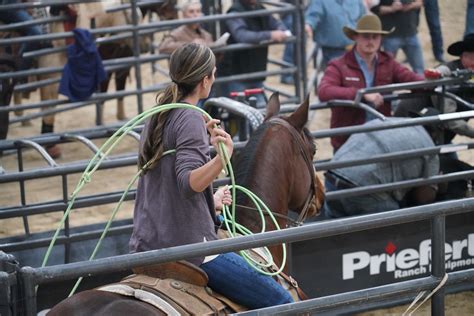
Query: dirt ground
x=452, y=19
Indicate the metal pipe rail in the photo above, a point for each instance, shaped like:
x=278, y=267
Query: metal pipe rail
x=5, y=145
x=61, y=205
x=352, y=302
x=13, y=26
x=37, y=4
x=134, y=30
x=32, y=277
x=113, y=197
x=408, y=86
x=441, y=149
x=63, y=240
x=54, y=138
x=284, y=8
x=30, y=144
x=394, y=124
x=334, y=195
x=112, y=65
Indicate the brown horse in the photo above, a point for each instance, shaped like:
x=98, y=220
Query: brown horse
x=276, y=165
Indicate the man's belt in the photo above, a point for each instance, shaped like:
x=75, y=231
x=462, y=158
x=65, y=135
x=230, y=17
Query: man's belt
x=338, y=181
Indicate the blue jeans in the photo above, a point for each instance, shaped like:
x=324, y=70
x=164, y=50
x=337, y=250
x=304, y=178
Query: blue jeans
x=239, y=86
x=17, y=16
x=469, y=18
x=329, y=53
x=432, y=19
x=357, y=205
x=232, y=277
x=410, y=46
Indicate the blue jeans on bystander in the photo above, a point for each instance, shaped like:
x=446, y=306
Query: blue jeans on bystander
x=410, y=46
x=288, y=54
x=330, y=53
x=232, y=277
x=17, y=16
x=469, y=18
x=432, y=19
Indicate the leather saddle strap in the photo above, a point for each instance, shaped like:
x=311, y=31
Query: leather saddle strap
x=295, y=285
x=181, y=293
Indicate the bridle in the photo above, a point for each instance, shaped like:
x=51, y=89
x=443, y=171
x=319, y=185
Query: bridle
x=299, y=139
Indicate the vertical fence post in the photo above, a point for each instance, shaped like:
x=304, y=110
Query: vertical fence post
x=22, y=190
x=300, y=52
x=67, y=244
x=438, y=269
x=8, y=284
x=28, y=284
x=136, y=54
x=5, y=297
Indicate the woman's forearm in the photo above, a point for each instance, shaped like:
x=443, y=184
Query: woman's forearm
x=203, y=176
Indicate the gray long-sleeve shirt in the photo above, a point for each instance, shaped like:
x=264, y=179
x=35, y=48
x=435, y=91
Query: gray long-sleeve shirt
x=167, y=211
x=382, y=142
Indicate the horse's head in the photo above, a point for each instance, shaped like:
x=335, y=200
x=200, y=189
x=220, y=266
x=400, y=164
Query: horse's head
x=303, y=140
x=277, y=164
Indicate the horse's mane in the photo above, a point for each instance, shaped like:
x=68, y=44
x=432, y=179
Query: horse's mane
x=246, y=157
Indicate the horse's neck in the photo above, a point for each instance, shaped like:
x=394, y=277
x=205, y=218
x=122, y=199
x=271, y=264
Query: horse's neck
x=269, y=183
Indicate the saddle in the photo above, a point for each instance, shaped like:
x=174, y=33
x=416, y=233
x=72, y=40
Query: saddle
x=175, y=288
x=180, y=288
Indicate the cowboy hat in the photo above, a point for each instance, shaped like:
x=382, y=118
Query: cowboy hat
x=368, y=24
x=466, y=45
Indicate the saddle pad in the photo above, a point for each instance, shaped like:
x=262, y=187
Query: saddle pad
x=192, y=299
x=143, y=296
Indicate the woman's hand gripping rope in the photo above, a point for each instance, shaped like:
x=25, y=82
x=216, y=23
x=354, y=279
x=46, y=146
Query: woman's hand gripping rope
x=221, y=141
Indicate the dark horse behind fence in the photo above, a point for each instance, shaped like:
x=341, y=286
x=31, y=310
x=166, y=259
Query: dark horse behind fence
x=276, y=165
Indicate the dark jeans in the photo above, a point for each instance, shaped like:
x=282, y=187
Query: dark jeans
x=432, y=19
x=469, y=18
x=17, y=16
x=330, y=53
x=357, y=205
x=410, y=46
x=230, y=275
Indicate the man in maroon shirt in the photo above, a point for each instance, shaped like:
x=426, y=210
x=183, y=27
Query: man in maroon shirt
x=363, y=67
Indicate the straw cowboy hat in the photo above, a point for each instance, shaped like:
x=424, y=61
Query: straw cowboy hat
x=368, y=24
x=466, y=45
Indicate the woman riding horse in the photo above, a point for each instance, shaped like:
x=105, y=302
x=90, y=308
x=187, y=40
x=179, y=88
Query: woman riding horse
x=174, y=202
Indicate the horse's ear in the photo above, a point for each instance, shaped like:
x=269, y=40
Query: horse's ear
x=299, y=118
x=273, y=106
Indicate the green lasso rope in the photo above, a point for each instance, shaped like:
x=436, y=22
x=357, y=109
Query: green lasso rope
x=229, y=215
